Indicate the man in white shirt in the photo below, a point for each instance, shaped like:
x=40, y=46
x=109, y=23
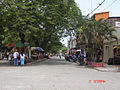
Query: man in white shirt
x=15, y=54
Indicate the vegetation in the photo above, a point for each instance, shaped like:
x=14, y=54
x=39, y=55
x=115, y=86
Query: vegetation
x=43, y=22
x=38, y=22
x=93, y=34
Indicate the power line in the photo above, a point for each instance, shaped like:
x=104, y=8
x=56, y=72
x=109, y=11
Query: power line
x=91, y=5
x=96, y=8
x=110, y=5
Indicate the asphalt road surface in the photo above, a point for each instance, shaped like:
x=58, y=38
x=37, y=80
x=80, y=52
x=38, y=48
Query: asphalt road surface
x=56, y=74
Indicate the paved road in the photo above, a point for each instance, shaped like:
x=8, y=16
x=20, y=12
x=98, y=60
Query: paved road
x=56, y=74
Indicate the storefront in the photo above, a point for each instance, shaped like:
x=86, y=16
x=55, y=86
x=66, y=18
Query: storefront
x=112, y=53
x=116, y=54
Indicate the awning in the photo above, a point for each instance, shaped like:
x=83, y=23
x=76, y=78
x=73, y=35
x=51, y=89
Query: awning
x=67, y=51
x=117, y=46
x=11, y=45
x=37, y=48
x=17, y=44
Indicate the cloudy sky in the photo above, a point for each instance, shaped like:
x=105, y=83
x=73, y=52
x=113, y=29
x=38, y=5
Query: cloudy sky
x=86, y=6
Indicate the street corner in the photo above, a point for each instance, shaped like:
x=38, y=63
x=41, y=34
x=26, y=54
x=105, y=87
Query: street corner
x=103, y=69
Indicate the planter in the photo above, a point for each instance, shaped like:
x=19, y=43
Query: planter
x=119, y=68
x=89, y=63
x=94, y=64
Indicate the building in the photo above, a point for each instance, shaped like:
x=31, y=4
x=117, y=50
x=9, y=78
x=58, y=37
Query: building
x=109, y=46
x=72, y=44
x=102, y=15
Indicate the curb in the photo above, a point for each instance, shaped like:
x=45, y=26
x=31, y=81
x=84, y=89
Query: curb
x=102, y=69
x=107, y=70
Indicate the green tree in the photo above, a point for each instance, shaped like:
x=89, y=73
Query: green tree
x=39, y=22
x=93, y=33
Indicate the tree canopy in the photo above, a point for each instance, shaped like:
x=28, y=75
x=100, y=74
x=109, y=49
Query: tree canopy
x=38, y=22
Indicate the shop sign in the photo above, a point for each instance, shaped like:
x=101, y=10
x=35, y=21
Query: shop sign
x=117, y=24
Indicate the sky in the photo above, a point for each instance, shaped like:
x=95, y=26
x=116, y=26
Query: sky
x=86, y=6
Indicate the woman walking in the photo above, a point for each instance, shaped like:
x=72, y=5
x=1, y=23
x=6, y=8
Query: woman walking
x=22, y=57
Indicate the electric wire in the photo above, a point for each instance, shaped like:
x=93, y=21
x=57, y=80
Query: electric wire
x=96, y=7
x=110, y=5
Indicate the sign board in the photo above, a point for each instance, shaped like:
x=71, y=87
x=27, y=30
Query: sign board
x=117, y=24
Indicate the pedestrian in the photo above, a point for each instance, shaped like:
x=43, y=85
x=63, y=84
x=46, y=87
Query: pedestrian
x=15, y=54
x=7, y=54
x=10, y=57
x=60, y=55
x=22, y=58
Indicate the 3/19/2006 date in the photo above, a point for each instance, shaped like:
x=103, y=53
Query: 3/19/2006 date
x=97, y=81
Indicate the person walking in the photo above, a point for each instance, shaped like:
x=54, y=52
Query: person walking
x=10, y=58
x=22, y=58
x=7, y=54
x=60, y=55
x=15, y=54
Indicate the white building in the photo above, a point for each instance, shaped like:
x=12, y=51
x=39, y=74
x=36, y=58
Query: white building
x=72, y=43
x=110, y=45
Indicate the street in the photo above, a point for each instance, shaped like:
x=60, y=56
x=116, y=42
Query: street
x=56, y=74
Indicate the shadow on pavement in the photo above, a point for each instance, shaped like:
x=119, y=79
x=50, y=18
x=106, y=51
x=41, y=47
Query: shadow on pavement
x=4, y=63
x=52, y=62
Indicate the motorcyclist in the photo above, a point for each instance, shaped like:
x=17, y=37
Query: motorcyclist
x=82, y=57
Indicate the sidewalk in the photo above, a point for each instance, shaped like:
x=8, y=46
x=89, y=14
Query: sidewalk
x=108, y=68
x=5, y=62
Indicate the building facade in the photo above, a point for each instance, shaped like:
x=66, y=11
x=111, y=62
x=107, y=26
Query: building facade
x=72, y=43
x=109, y=46
x=102, y=15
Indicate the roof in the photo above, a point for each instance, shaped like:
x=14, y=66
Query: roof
x=101, y=13
x=113, y=17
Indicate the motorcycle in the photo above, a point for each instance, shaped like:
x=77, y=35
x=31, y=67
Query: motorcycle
x=67, y=58
x=74, y=58
x=80, y=60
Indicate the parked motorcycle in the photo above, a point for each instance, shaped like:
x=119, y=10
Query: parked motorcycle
x=74, y=58
x=67, y=58
x=81, y=61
